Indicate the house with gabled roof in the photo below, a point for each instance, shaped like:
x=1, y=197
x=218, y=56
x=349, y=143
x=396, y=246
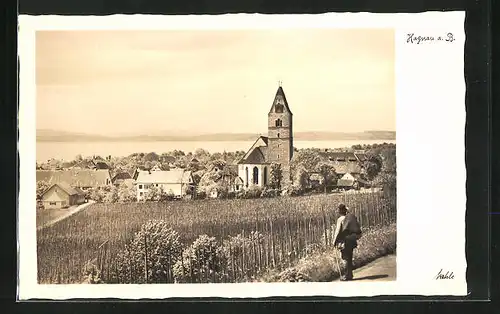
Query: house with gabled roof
x=121, y=177
x=96, y=163
x=228, y=177
x=175, y=181
x=80, y=178
x=61, y=195
x=276, y=147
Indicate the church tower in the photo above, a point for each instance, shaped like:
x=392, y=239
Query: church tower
x=280, y=133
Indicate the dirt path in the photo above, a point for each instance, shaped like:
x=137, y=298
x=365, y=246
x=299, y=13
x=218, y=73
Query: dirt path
x=66, y=215
x=381, y=269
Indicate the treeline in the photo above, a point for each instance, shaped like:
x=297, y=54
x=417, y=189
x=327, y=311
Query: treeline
x=215, y=173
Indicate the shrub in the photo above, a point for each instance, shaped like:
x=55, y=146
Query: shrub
x=253, y=192
x=295, y=190
x=127, y=194
x=270, y=193
x=152, y=253
x=91, y=273
x=112, y=196
x=41, y=186
x=201, y=195
x=292, y=275
x=96, y=195
x=202, y=261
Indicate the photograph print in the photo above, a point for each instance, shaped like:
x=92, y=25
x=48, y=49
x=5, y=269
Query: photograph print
x=215, y=156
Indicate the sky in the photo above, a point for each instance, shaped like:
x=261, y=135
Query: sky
x=210, y=81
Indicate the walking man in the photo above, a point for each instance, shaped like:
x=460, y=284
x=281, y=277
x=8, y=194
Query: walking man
x=347, y=233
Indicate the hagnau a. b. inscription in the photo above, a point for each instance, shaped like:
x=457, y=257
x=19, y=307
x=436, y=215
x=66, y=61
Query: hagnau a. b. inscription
x=418, y=39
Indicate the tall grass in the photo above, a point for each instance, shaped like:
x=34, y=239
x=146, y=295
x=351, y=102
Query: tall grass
x=287, y=227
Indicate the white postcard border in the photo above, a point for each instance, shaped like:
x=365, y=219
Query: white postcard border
x=430, y=130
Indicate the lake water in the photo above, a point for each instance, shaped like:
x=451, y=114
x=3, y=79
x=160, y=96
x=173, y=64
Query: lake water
x=69, y=150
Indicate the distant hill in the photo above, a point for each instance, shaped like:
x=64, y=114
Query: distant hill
x=44, y=135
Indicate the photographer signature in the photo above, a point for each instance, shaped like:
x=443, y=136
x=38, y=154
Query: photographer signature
x=447, y=275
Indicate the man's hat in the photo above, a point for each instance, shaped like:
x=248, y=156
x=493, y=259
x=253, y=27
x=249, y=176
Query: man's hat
x=342, y=208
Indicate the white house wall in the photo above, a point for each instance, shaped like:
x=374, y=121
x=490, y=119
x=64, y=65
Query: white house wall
x=176, y=188
x=242, y=174
x=55, y=195
x=348, y=176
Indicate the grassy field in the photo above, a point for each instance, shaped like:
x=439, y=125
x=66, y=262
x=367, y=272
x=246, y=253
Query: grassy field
x=291, y=223
x=44, y=216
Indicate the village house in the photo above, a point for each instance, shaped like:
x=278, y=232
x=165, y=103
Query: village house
x=228, y=179
x=352, y=181
x=61, y=195
x=76, y=178
x=176, y=181
x=122, y=177
x=137, y=171
x=348, y=167
x=276, y=147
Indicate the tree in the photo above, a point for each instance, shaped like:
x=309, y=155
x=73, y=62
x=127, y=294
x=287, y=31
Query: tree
x=201, y=154
x=386, y=178
x=193, y=166
x=216, y=156
x=218, y=163
x=327, y=172
x=203, y=261
x=301, y=178
x=148, y=164
x=126, y=193
x=208, y=182
x=96, y=195
x=276, y=176
x=151, y=157
x=150, y=256
x=373, y=166
x=198, y=175
x=41, y=186
x=112, y=195
x=308, y=158
x=153, y=194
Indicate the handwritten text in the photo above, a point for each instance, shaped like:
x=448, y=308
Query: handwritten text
x=420, y=39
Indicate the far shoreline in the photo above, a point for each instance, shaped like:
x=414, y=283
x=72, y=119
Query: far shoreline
x=204, y=140
x=67, y=150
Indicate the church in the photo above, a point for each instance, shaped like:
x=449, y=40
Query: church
x=277, y=147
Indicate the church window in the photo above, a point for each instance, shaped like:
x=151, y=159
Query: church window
x=278, y=123
x=278, y=156
x=278, y=135
x=265, y=176
x=255, y=175
x=246, y=176
x=279, y=108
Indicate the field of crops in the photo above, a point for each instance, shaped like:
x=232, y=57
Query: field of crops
x=286, y=227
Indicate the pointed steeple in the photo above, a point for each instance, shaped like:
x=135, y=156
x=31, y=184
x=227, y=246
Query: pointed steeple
x=280, y=99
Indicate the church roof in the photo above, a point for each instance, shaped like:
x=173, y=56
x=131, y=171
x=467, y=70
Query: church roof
x=257, y=154
x=281, y=93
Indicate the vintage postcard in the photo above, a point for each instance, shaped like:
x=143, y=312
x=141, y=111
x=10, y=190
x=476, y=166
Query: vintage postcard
x=242, y=155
